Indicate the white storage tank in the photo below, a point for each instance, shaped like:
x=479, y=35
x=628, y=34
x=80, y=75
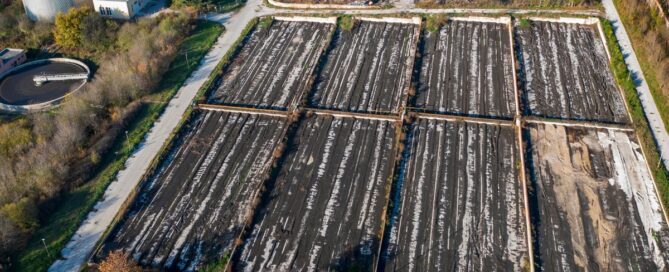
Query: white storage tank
x=46, y=10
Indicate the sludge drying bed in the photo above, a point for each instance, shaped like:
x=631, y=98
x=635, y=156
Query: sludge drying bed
x=461, y=201
x=194, y=207
x=274, y=66
x=593, y=202
x=466, y=68
x=565, y=73
x=325, y=209
x=368, y=68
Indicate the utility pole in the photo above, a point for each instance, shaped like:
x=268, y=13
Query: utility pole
x=46, y=249
x=657, y=168
x=187, y=61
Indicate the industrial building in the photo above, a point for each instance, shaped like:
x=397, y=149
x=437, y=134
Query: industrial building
x=120, y=9
x=46, y=10
x=10, y=58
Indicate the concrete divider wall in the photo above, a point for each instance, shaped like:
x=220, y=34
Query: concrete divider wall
x=498, y=20
x=412, y=20
x=318, y=6
x=325, y=20
x=567, y=20
x=410, y=63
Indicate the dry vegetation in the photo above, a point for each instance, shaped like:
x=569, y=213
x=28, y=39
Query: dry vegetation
x=119, y=261
x=650, y=36
x=43, y=154
x=16, y=30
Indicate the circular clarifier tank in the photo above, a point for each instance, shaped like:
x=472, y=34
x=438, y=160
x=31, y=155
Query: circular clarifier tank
x=41, y=84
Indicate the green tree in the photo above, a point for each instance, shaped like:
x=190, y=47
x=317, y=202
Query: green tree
x=7, y=24
x=68, y=26
x=97, y=33
x=22, y=213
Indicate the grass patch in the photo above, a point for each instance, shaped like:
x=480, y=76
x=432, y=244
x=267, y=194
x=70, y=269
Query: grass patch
x=644, y=51
x=191, y=51
x=232, y=51
x=217, y=265
x=647, y=141
x=434, y=22
x=265, y=22
x=75, y=205
x=524, y=23
x=223, y=6
x=346, y=22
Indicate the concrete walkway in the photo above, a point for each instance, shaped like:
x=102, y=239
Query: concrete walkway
x=647, y=101
x=82, y=244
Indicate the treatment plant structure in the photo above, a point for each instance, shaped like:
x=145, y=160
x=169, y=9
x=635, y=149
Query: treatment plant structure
x=46, y=10
x=41, y=84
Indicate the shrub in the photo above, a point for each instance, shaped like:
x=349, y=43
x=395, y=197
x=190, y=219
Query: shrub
x=219, y=264
x=14, y=137
x=82, y=28
x=10, y=236
x=48, y=152
x=119, y=261
x=67, y=29
x=22, y=213
x=434, y=22
x=16, y=30
x=265, y=22
x=346, y=22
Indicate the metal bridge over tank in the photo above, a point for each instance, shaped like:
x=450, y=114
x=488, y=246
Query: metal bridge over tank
x=41, y=79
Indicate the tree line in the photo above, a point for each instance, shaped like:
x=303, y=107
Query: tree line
x=44, y=154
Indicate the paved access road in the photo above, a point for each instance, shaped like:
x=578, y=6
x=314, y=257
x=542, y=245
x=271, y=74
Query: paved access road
x=647, y=101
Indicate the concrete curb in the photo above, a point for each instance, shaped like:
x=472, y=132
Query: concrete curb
x=326, y=20
x=318, y=6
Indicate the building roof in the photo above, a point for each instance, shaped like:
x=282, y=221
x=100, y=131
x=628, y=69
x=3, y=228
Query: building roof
x=8, y=54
